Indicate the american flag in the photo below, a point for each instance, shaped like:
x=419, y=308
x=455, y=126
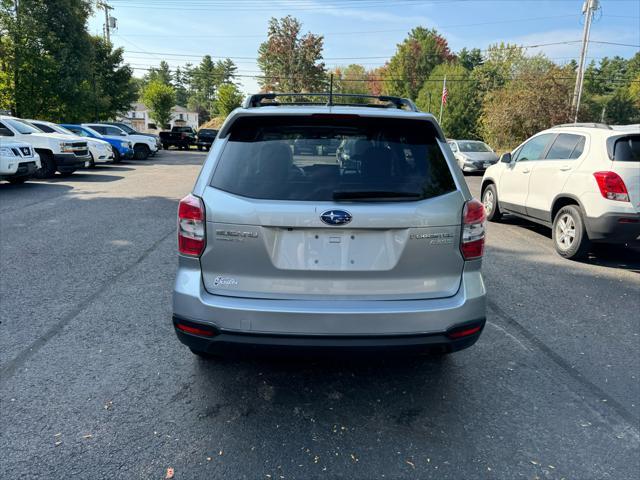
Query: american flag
x=445, y=94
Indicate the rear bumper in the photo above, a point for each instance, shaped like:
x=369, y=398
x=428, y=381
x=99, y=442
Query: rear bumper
x=614, y=228
x=371, y=322
x=68, y=162
x=228, y=342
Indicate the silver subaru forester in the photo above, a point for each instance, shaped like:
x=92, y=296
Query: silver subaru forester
x=322, y=225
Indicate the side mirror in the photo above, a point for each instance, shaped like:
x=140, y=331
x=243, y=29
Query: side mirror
x=5, y=132
x=506, y=157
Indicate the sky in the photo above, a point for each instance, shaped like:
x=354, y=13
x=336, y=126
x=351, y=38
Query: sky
x=360, y=31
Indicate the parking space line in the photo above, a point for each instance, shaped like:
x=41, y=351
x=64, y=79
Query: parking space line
x=10, y=368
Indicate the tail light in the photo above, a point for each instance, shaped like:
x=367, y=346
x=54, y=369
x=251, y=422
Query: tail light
x=611, y=186
x=192, y=237
x=473, y=217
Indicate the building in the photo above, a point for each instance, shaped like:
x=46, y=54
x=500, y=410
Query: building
x=139, y=118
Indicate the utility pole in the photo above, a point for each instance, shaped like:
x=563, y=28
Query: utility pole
x=107, y=20
x=17, y=45
x=588, y=8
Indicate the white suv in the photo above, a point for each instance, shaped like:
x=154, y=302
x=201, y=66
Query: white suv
x=582, y=180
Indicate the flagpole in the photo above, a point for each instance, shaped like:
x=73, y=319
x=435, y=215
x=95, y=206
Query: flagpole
x=444, y=85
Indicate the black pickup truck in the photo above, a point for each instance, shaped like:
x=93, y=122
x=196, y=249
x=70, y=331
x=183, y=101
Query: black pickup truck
x=205, y=138
x=181, y=137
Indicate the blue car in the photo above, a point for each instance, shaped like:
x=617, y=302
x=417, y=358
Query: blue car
x=121, y=148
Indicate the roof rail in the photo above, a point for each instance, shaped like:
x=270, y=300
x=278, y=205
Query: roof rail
x=584, y=124
x=255, y=100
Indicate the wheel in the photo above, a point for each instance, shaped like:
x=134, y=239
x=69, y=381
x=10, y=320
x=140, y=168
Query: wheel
x=490, y=202
x=165, y=146
x=91, y=163
x=117, y=158
x=569, y=235
x=140, y=152
x=48, y=169
x=203, y=355
x=17, y=180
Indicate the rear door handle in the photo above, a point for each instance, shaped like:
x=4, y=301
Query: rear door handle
x=564, y=168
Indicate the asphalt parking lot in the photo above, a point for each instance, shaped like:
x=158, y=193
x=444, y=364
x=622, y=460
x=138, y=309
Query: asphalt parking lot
x=95, y=384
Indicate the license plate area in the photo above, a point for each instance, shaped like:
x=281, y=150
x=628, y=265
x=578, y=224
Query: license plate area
x=338, y=249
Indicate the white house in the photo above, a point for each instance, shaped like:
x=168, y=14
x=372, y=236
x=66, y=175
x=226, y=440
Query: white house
x=139, y=118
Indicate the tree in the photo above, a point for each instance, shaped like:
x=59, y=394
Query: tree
x=48, y=58
x=470, y=59
x=414, y=60
x=460, y=114
x=205, y=80
x=51, y=68
x=291, y=62
x=536, y=98
x=111, y=90
x=159, y=99
x=228, y=98
x=353, y=79
x=161, y=74
x=180, y=84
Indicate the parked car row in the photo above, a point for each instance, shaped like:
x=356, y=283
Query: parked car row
x=37, y=148
x=185, y=137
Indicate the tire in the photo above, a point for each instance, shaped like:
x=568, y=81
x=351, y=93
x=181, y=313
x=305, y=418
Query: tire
x=17, y=180
x=66, y=174
x=141, y=152
x=490, y=202
x=117, y=158
x=48, y=169
x=165, y=146
x=570, y=238
x=91, y=163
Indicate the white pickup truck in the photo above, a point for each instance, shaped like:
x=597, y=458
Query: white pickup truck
x=57, y=152
x=18, y=161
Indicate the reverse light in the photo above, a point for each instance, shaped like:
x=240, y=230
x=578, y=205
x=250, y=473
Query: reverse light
x=473, y=218
x=611, y=186
x=191, y=226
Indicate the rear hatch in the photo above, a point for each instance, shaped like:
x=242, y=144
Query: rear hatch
x=625, y=151
x=288, y=223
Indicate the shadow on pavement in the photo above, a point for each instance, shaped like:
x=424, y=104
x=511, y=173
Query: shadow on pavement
x=85, y=176
x=606, y=255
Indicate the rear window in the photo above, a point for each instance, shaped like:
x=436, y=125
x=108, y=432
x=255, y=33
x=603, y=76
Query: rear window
x=325, y=158
x=627, y=149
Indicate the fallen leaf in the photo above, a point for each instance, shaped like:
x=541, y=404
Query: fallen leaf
x=88, y=435
x=57, y=443
x=413, y=465
x=169, y=474
x=57, y=434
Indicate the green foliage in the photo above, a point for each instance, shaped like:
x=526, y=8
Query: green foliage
x=291, y=62
x=612, y=91
x=159, y=99
x=470, y=59
x=51, y=67
x=414, y=60
x=161, y=74
x=204, y=81
x=535, y=98
x=228, y=98
x=460, y=114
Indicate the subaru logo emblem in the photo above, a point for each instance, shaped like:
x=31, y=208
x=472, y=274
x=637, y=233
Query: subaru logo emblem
x=336, y=217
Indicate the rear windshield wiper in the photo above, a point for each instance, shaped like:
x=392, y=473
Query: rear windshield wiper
x=374, y=195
